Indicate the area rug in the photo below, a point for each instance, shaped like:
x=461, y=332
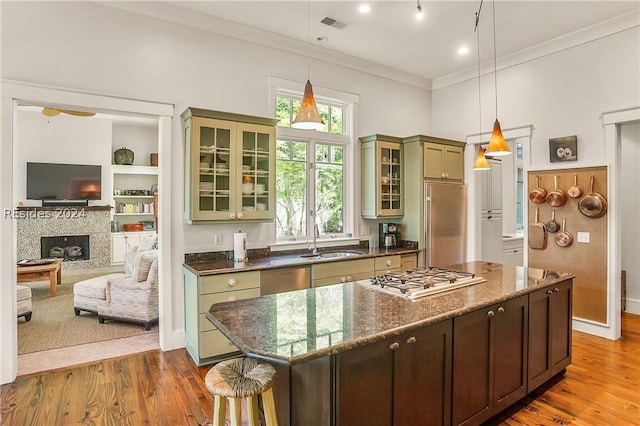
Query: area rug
x=55, y=325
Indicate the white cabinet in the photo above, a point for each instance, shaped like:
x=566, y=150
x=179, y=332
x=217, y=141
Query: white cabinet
x=513, y=252
x=491, y=184
x=491, y=238
x=122, y=243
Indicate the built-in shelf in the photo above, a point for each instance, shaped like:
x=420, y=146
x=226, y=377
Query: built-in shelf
x=133, y=196
x=134, y=170
x=133, y=214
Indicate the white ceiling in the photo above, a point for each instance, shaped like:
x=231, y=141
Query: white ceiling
x=390, y=35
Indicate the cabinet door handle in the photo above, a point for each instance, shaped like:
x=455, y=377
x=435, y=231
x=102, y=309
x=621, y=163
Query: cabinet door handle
x=556, y=289
x=490, y=313
x=349, y=278
x=388, y=263
x=447, y=175
x=232, y=215
x=549, y=291
x=501, y=309
x=489, y=217
x=394, y=346
x=343, y=279
x=489, y=211
x=231, y=282
x=231, y=299
x=240, y=215
x=411, y=339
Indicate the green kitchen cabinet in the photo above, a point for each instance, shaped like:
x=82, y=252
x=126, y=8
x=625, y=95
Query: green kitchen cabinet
x=229, y=166
x=382, y=176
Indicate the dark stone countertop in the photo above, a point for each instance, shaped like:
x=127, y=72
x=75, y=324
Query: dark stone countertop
x=298, y=326
x=287, y=260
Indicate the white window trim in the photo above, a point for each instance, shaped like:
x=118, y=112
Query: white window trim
x=348, y=101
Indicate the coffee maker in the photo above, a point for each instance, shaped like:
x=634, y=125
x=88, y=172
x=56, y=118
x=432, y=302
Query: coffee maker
x=389, y=235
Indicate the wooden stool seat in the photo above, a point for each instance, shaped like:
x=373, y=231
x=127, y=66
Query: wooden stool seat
x=239, y=378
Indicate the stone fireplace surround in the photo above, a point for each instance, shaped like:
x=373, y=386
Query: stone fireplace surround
x=36, y=222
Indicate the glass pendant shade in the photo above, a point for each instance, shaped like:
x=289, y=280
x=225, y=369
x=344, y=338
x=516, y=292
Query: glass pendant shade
x=308, y=117
x=497, y=145
x=481, y=162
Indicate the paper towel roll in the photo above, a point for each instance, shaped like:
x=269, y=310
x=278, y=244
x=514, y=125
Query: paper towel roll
x=239, y=246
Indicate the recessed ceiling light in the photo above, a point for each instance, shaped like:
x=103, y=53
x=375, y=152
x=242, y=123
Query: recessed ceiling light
x=364, y=8
x=463, y=50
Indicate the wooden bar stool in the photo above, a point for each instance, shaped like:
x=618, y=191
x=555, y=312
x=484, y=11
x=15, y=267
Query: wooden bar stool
x=239, y=378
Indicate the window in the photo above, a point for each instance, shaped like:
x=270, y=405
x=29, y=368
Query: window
x=519, y=187
x=312, y=171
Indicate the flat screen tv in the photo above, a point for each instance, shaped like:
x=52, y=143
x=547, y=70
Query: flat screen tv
x=59, y=182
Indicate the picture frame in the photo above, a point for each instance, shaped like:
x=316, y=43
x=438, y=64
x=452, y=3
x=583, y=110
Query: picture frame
x=563, y=149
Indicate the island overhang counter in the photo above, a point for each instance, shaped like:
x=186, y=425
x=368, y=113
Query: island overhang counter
x=341, y=350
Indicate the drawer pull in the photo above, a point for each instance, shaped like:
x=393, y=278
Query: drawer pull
x=349, y=278
x=500, y=309
x=240, y=215
x=388, y=262
x=232, y=215
x=411, y=339
x=231, y=282
x=232, y=299
x=556, y=289
x=490, y=313
x=343, y=279
x=394, y=346
x=549, y=291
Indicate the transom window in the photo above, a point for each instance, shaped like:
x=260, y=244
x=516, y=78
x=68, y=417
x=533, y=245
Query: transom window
x=312, y=171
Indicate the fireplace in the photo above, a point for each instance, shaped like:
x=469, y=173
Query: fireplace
x=69, y=247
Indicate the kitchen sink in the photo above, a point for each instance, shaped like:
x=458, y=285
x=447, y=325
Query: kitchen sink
x=334, y=254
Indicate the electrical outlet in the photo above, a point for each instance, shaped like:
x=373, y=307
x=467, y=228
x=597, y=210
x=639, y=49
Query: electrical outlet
x=218, y=239
x=583, y=237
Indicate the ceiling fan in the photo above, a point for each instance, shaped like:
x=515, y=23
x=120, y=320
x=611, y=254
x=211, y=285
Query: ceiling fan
x=52, y=112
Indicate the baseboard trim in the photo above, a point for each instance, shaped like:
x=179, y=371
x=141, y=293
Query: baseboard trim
x=633, y=306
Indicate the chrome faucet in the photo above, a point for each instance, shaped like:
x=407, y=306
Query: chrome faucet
x=316, y=233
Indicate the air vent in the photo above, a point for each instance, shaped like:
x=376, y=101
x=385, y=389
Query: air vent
x=334, y=23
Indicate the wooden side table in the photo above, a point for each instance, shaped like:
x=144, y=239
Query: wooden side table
x=51, y=271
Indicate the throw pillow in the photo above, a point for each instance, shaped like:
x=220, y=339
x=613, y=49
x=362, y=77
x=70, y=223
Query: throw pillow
x=148, y=242
x=142, y=266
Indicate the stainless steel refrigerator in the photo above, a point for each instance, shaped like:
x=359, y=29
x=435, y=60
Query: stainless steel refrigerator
x=445, y=223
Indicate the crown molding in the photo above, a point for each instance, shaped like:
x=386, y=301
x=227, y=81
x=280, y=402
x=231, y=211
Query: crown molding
x=212, y=24
x=567, y=41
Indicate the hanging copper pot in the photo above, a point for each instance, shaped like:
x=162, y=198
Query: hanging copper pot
x=557, y=197
x=593, y=204
x=538, y=195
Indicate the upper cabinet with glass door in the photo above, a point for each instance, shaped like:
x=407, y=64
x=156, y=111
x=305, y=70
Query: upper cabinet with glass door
x=230, y=166
x=382, y=176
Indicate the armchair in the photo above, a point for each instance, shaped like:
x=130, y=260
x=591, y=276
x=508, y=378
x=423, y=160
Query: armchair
x=133, y=298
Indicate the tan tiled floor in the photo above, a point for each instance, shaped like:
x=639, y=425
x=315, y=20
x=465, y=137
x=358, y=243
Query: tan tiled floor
x=53, y=359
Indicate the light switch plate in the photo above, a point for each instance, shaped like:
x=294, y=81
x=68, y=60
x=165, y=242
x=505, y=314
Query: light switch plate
x=583, y=237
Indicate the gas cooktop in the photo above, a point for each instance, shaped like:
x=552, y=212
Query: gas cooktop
x=422, y=281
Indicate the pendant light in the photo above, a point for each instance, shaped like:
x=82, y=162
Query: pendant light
x=481, y=162
x=308, y=116
x=497, y=145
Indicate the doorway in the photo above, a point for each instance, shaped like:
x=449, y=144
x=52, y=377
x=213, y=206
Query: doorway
x=16, y=94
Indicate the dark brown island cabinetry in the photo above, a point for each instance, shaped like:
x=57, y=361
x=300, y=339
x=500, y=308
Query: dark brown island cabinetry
x=489, y=360
x=550, y=313
x=398, y=381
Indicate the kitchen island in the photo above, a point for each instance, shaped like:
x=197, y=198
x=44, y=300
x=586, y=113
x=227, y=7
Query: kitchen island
x=350, y=354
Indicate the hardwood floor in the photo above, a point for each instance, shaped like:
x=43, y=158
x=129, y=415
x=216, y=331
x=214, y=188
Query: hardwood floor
x=601, y=387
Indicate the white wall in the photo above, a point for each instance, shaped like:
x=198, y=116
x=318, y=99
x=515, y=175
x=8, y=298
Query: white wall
x=99, y=49
x=141, y=139
x=629, y=208
x=61, y=139
x=560, y=94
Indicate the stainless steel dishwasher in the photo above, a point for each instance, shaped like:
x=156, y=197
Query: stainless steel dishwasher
x=284, y=279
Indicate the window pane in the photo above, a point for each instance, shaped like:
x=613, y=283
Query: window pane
x=519, y=151
x=329, y=202
x=323, y=110
x=322, y=153
x=291, y=197
x=520, y=200
x=337, y=153
x=283, y=150
x=299, y=151
x=337, y=118
x=283, y=112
